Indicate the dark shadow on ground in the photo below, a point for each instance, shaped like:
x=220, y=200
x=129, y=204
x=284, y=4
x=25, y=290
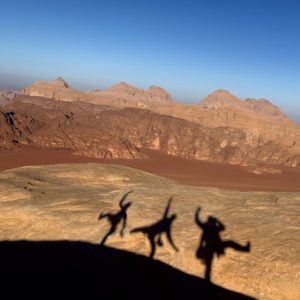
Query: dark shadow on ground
x=116, y=218
x=80, y=270
x=211, y=243
x=155, y=231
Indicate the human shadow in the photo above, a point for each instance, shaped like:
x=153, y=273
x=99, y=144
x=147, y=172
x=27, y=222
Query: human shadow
x=79, y=270
x=155, y=231
x=117, y=218
x=211, y=243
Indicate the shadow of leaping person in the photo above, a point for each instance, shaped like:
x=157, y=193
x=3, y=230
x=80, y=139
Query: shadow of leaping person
x=211, y=242
x=117, y=218
x=154, y=232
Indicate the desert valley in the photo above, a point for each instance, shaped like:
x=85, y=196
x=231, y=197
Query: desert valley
x=150, y=150
x=66, y=156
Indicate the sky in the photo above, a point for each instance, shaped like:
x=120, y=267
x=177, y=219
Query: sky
x=190, y=48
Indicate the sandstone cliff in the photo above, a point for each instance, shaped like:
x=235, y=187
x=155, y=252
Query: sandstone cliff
x=7, y=95
x=121, y=94
x=260, y=120
x=109, y=132
x=224, y=99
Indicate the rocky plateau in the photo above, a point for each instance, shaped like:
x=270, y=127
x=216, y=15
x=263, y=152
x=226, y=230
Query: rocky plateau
x=63, y=202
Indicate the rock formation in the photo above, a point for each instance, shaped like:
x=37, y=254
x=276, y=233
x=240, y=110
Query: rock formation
x=120, y=94
x=129, y=95
x=55, y=89
x=264, y=107
x=221, y=128
x=223, y=99
x=7, y=95
x=109, y=132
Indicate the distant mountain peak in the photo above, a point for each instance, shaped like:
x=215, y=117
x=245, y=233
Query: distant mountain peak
x=221, y=98
x=59, y=82
x=264, y=106
x=156, y=88
x=221, y=92
x=224, y=99
x=121, y=85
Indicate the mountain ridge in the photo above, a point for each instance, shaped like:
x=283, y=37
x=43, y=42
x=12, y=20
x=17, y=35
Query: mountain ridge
x=124, y=94
x=102, y=131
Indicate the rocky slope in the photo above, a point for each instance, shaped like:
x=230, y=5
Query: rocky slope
x=109, y=132
x=121, y=94
x=63, y=202
x=221, y=98
x=131, y=96
x=7, y=95
x=261, y=121
x=224, y=99
x=221, y=128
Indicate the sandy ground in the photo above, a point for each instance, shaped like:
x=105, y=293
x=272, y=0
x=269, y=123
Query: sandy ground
x=190, y=172
x=63, y=202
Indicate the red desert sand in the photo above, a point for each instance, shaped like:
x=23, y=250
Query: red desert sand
x=190, y=172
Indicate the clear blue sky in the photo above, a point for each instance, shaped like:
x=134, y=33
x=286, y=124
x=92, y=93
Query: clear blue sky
x=251, y=48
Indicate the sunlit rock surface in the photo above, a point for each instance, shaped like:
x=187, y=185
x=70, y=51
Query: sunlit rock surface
x=63, y=202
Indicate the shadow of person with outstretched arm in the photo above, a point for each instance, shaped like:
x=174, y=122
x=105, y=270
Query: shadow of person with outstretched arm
x=211, y=242
x=117, y=218
x=154, y=232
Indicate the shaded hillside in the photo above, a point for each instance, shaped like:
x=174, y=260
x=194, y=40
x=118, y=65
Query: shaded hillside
x=79, y=270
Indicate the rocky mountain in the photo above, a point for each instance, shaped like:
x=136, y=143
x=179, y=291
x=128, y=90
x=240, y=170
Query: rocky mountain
x=7, y=95
x=221, y=128
x=56, y=89
x=132, y=96
x=120, y=94
x=260, y=121
x=221, y=98
x=109, y=132
x=264, y=107
x=224, y=99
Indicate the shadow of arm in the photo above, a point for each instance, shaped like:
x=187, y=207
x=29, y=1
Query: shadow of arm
x=197, y=218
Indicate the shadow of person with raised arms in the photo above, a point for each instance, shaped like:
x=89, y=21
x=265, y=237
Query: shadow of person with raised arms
x=154, y=232
x=211, y=242
x=117, y=218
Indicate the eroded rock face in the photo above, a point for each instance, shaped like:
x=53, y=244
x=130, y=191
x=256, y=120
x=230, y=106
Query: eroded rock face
x=63, y=202
x=224, y=99
x=221, y=98
x=128, y=95
x=59, y=82
x=7, y=95
x=262, y=127
x=269, y=134
x=55, y=89
x=120, y=94
x=108, y=132
x=264, y=107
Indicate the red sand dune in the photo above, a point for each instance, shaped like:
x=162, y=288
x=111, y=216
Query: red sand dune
x=190, y=172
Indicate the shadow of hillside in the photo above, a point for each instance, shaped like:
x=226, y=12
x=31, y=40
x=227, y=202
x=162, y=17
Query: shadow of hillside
x=80, y=270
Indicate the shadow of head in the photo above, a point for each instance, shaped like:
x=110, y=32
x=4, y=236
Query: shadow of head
x=126, y=205
x=173, y=217
x=215, y=223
